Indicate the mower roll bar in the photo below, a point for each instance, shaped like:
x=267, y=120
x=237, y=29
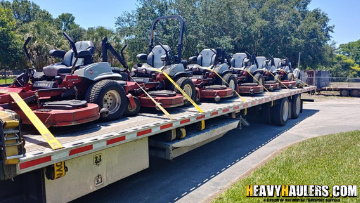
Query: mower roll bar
x=107, y=47
x=27, y=52
x=180, y=43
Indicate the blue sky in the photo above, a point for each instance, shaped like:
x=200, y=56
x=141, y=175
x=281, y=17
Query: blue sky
x=344, y=14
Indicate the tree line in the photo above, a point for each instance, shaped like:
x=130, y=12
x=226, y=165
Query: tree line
x=282, y=28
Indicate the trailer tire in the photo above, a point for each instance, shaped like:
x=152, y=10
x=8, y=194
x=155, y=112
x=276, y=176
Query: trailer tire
x=188, y=86
x=344, y=93
x=231, y=81
x=295, y=106
x=108, y=90
x=355, y=93
x=267, y=113
x=129, y=111
x=281, y=112
x=258, y=78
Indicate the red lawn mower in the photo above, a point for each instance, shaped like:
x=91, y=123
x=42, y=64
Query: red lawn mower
x=53, y=94
x=283, y=70
x=160, y=59
x=271, y=81
x=207, y=67
x=244, y=64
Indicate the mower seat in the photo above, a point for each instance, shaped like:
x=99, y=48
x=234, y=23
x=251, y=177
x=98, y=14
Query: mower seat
x=162, y=93
x=68, y=60
x=154, y=57
x=237, y=60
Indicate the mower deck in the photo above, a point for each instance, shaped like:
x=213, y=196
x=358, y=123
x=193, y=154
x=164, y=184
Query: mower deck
x=166, y=102
x=271, y=85
x=59, y=118
x=250, y=88
x=288, y=84
x=215, y=91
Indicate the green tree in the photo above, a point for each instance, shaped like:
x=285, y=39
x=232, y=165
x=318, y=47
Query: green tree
x=65, y=21
x=352, y=50
x=9, y=41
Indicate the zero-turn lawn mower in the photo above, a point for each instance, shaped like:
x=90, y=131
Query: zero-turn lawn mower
x=271, y=81
x=159, y=62
x=207, y=67
x=245, y=69
x=53, y=94
x=284, y=72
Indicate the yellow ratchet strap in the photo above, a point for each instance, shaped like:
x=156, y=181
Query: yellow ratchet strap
x=272, y=101
x=51, y=140
x=281, y=82
x=153, y=100
x=185, y=95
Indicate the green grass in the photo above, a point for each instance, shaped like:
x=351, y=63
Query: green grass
x=327, y=160
x=8, y=80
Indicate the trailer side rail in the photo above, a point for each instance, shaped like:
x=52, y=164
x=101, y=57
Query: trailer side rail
x=79, y=147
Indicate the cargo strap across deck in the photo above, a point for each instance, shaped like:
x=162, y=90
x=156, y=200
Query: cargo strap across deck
x=93, y=137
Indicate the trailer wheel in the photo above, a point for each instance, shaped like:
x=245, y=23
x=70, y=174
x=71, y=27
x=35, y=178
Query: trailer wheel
x=108, y=94
x=267, y=113
x=295, y=106
x=281, y=112
x=258, y=77
x=344, y=93
x=170, y=135
x=355, y=93
x=132, y=111
x=189, y=88
x=231, y=81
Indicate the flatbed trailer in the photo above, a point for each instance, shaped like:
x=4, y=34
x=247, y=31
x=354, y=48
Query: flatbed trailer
x=343, y=91
x=98, y=154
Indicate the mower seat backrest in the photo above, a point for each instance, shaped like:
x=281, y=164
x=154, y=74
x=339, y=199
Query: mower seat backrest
x=69, y=57
x=237, y=60
x=277, y=62
x=154, y=57
x=206, y=57
x=261, y=60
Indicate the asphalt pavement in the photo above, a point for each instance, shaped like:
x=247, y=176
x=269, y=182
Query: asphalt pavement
x=196, y=175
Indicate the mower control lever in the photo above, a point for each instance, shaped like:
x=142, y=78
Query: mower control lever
x=166, y=53
x=122, y=51
x=72, y=43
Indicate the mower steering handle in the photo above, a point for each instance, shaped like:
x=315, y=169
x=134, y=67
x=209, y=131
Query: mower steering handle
x=72, y=43
x=248, y=55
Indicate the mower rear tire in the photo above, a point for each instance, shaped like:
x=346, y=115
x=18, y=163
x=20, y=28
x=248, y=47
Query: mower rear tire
x=231, y=81
x=281, y=112
x=188, y=86
x=258, y=78
x=132, y=111
x=290, y=77
x=108, y=94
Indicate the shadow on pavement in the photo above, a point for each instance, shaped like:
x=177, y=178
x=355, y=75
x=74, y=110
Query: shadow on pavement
x=168, y=181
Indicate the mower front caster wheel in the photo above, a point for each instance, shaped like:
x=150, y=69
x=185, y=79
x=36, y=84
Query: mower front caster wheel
x=132, y=111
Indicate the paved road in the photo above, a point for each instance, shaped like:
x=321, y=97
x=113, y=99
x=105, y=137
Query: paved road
x=200, y=173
